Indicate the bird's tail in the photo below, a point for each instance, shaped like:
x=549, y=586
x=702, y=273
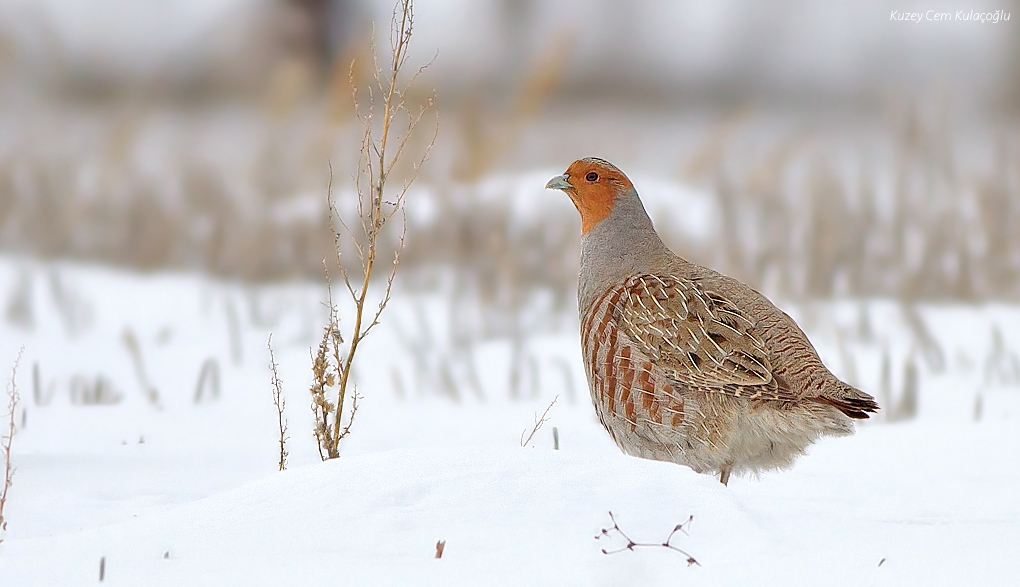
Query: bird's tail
x=851, y=401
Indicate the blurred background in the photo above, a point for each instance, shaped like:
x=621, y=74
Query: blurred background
x=846, y=153
x=817, y=151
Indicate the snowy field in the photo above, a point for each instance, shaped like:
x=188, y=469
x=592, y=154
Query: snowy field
x=126, y=455
x=147, y=441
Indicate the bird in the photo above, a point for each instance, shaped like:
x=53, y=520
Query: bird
x=685, y=364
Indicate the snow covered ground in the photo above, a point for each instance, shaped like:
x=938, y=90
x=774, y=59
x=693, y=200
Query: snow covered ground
x=168, y=481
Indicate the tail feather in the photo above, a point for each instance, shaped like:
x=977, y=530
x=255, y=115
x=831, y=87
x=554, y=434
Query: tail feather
x=851, y=401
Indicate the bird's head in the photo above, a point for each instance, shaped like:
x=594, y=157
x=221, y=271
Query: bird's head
x=593, y=185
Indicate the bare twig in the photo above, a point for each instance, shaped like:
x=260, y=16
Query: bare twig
x=539, y=421
x=281, y=404
x=5, y=442
x=334, y=361
x=350, y=419
x=631, y=545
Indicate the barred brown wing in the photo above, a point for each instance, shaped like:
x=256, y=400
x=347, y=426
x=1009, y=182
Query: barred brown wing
x=699, y=338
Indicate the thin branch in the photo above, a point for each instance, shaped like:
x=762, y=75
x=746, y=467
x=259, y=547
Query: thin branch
x=343, y=269
x=389, y=280
x=365, y=166
x=335, y=214
x=411, y=125
x=422, y=160
x=281, y=404
x=12, y=404
x=631, y=545
x=354, y=410
x=406, y=24
x=538, y=423
x=411, y=82
x=376, y=70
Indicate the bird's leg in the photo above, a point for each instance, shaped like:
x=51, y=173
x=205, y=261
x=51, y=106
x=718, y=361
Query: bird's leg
x=724, y=474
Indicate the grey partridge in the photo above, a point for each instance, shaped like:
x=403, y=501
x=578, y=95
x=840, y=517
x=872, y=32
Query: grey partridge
x=685, y=364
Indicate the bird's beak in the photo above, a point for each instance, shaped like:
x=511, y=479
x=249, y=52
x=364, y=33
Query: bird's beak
x=559, y=183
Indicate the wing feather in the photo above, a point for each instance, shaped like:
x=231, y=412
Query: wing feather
x=699, y=338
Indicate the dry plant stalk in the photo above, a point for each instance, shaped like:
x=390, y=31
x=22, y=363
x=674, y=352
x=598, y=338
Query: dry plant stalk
x=332, y=364
x=5, y=442
x=539, y=421
x=631, y=545
x=281, y=404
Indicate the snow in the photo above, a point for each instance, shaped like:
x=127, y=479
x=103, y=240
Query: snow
x=175, y=491
x=513, y=516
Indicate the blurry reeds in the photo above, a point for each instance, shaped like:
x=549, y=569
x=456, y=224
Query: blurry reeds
x=1002, y=366
x=906, y=407
x=907, y=213
x=134, y=348
x=910, y=216
x=207, y=389
x=489, y=131
x=85, y=391
x=910, y=208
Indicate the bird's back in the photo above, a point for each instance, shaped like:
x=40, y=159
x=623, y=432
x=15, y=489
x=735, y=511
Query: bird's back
x=796, y=364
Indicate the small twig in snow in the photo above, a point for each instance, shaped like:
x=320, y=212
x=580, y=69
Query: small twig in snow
x=538, y=423
x=12, y=403
x=631, y=545
x=281, y=404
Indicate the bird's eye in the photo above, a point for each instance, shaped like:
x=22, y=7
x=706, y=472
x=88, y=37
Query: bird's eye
x=592, y=176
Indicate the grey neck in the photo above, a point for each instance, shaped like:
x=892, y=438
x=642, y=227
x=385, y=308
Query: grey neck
x=620, y=245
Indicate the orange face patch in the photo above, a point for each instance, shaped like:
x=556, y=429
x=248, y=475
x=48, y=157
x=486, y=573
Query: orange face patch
x=595, y=187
